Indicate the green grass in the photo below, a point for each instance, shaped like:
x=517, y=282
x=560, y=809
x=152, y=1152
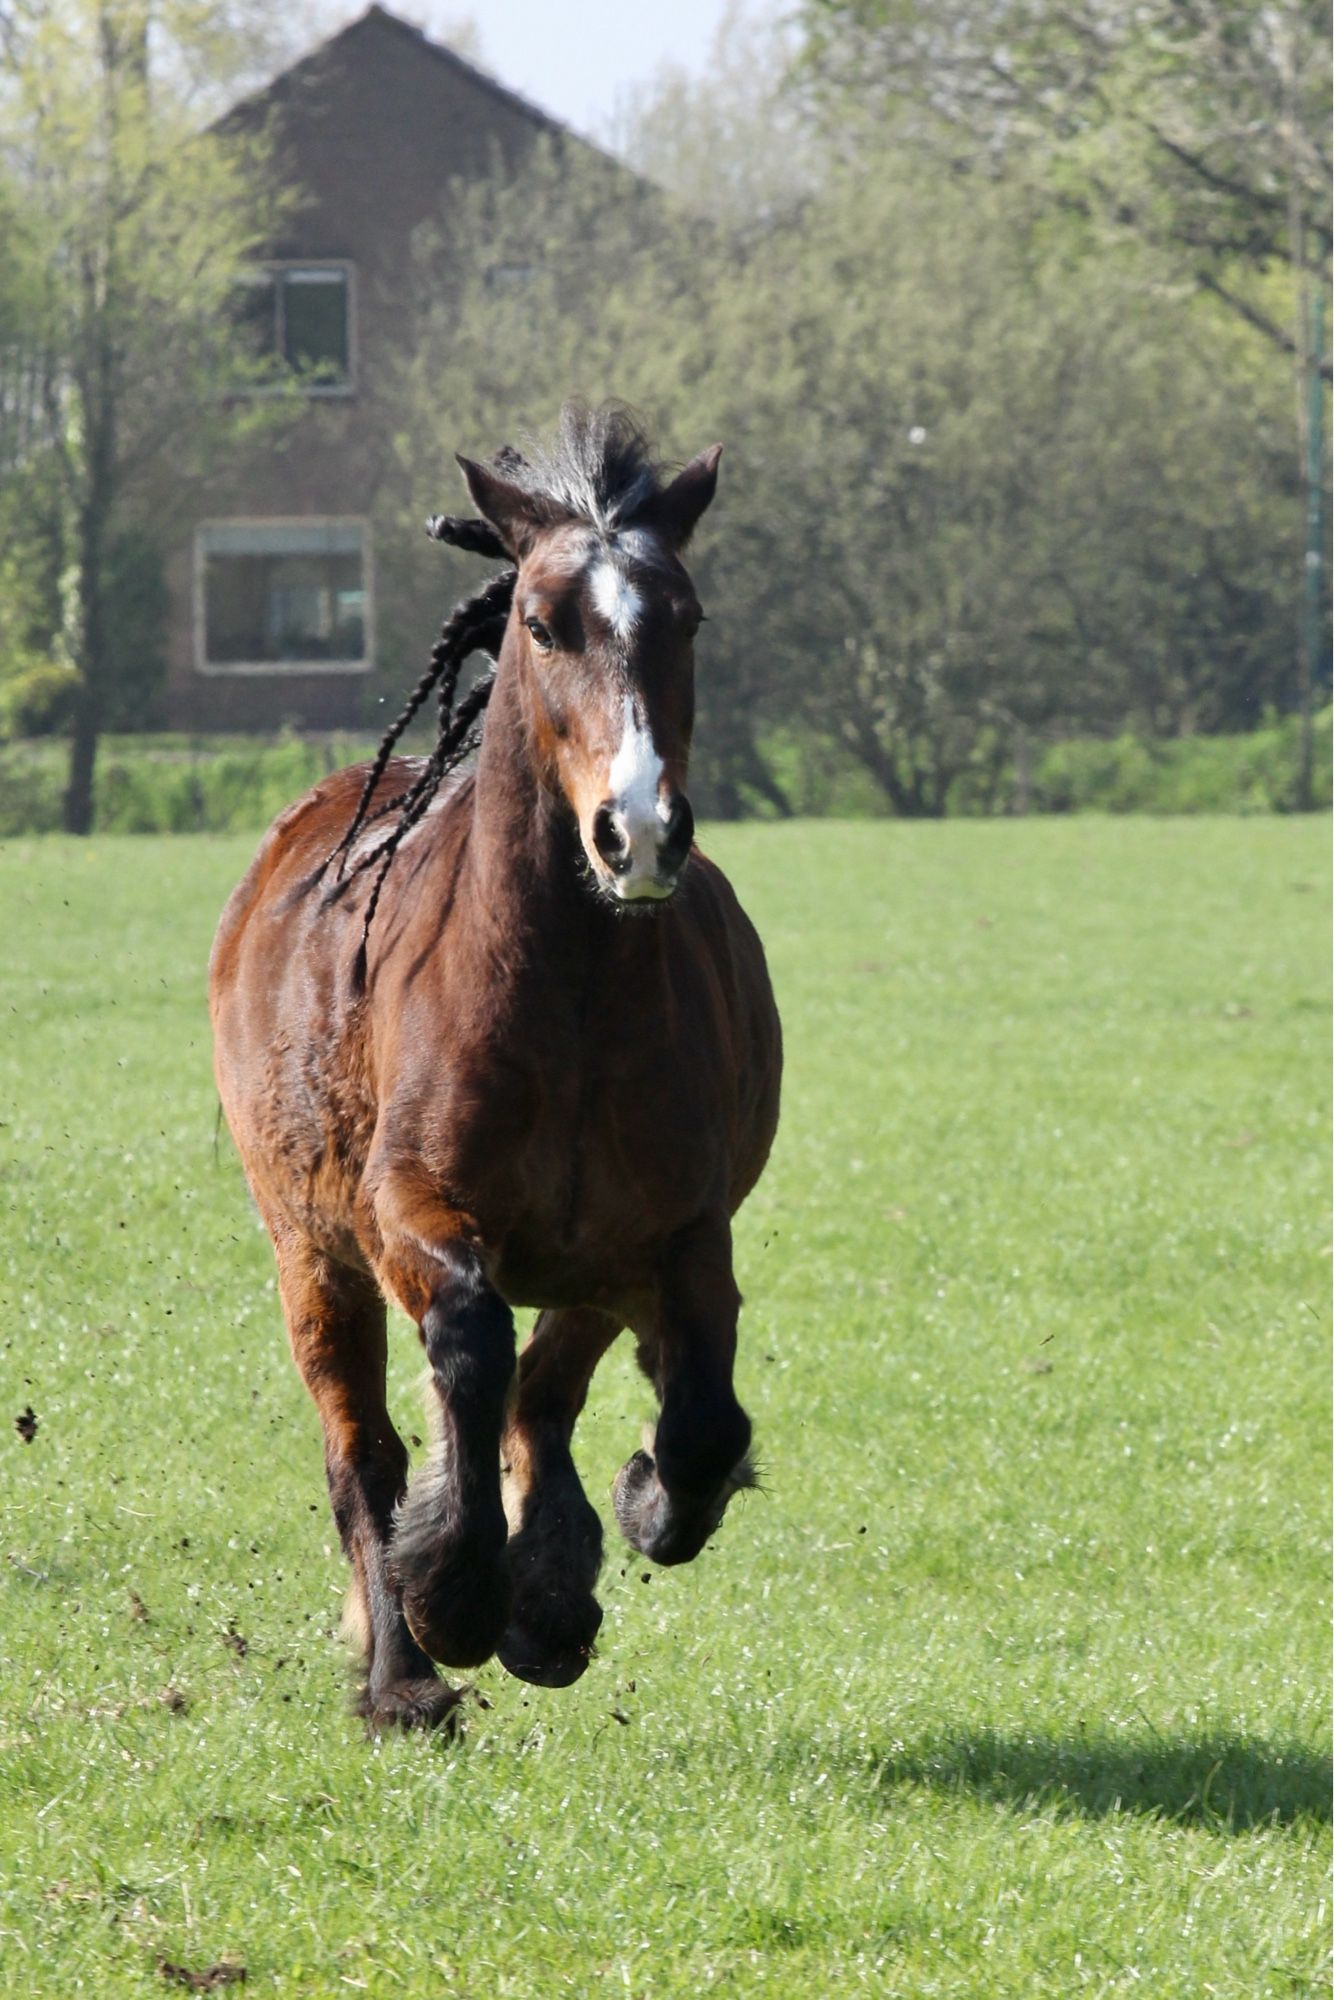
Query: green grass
x=1012, y=1683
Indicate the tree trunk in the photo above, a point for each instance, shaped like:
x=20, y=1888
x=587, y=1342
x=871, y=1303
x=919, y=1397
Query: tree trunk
x=858, y=732
x=78, y=806
x=1023, y=771
x=757, y=774
x=123, y=52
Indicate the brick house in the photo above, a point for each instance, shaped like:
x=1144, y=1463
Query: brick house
x=272, y=576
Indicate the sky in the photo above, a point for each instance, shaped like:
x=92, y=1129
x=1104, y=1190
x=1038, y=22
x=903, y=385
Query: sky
x=577, y=59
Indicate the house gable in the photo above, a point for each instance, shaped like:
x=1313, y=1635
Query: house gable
x=370, y=127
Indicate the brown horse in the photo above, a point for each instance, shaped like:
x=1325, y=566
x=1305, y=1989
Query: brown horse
x=467, y=1081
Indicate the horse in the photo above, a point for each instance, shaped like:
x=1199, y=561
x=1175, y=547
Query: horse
x=491, y=1031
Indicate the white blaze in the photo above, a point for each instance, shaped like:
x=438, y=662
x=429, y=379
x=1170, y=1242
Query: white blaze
x=615, y=597
x=633, y=783
x=636, y=773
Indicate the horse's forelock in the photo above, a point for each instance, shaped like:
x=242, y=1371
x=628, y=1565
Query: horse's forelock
x=599, y=468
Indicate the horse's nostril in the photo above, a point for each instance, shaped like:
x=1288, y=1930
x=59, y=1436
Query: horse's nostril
x=679, y=832
x=610, y=840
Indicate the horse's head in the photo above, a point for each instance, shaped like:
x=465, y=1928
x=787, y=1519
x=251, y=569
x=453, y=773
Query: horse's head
x=600, y=639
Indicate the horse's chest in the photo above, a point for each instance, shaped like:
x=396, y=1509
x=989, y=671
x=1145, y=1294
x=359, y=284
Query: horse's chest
x=585, y=1171
x=623, y=1130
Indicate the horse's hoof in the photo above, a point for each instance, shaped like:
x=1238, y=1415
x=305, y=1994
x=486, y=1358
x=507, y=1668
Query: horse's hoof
x=414, y=1704
x=667, y=1528
x=456, y=1599
x=459, y=1631
x=521, y=1655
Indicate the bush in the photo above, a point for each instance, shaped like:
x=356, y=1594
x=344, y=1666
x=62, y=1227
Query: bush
x=1257, y=773
x=36, y=699
x=1190, y=774
x=196, y=790
x=166, y=784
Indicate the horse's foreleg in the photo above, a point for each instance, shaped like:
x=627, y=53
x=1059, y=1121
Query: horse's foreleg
x=670, y=1500
x=336, y=1324
x=555, y=1545
x=448, y=1555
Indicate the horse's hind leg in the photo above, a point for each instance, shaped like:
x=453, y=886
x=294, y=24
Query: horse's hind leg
x=554, y=1550
x=670, y=1500
x=336, y=1324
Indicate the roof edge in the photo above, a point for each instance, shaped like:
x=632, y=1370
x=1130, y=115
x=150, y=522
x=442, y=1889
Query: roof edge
x=381, y=18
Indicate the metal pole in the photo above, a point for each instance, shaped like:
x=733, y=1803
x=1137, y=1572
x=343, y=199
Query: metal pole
x=1314, y=594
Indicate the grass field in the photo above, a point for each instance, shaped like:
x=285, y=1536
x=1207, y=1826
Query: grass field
x=1013, y=1683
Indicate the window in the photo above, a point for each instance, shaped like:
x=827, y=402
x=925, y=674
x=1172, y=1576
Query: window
x=510, y=277
x=299, y=315
x=281, y=596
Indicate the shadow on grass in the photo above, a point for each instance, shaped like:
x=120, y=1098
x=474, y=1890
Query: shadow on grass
x=1226, y=1783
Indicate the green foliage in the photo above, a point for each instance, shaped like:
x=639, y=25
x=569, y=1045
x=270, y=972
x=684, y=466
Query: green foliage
x=167, y=784
x=1254, y=773
x=36, y=684
x=136, y=637
x=1011, y=1683
x=164, y=784
x=39, y=692
x=955, y=551
x=1187, y=142
x=977, y=485
x=730, y=142
x=1197, y=127
x=36, y=698
x=130, y=225
x=1257, y=773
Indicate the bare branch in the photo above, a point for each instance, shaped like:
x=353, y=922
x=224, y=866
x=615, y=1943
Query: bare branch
x=1255, y=318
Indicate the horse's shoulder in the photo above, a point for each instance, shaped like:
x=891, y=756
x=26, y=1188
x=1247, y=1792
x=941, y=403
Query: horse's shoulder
x=717, y=909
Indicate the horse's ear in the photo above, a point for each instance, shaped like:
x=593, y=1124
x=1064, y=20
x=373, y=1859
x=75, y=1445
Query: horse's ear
x=678, y=507
x=515, y=514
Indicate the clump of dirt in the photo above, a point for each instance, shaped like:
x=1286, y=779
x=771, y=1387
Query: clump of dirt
x=225, y=1973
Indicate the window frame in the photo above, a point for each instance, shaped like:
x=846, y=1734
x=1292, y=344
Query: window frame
x=281, y=668
x=509, y=277
x=288, y=378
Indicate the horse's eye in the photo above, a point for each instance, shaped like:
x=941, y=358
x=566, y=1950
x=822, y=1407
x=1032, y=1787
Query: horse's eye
x=541, y=636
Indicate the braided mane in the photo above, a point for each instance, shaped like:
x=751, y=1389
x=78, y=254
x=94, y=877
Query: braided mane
x=599, y=469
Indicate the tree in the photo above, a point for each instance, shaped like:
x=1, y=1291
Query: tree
x=978, y=485
x=575, y=278
x=128, y=226
x=732, y=144
x=1004, y=493
x=1200, y=125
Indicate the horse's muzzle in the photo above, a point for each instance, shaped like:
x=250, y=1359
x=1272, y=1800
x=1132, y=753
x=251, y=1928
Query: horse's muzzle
x=643, y=854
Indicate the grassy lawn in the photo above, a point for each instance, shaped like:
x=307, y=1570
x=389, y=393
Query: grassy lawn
x=1013, y=1682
